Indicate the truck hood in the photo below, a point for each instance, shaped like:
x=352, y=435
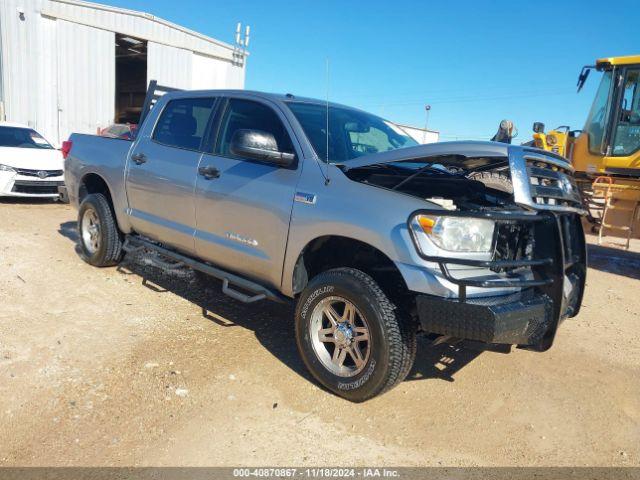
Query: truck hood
x=451, y=153
x=472, y=176
x=31, y=158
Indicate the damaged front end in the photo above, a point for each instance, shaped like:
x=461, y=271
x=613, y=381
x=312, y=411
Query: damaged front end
x=514, y=228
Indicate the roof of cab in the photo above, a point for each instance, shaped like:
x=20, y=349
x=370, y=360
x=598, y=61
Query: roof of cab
x=613, y=61
x=278, y=97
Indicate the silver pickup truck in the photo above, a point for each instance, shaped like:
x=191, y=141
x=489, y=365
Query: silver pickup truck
x=375, y=237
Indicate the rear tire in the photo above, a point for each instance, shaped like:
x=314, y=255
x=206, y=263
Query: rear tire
x=344, y=310
x=100, y=239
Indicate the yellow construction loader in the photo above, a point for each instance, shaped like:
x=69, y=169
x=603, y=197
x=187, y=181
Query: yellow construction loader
x=559, y=140
x=606, y=153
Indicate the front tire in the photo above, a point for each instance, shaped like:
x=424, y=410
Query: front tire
x=100, y=239
x=350, y=335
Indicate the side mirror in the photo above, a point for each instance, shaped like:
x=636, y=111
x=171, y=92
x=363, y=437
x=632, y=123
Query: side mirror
x=259, y=145
x=538, y=127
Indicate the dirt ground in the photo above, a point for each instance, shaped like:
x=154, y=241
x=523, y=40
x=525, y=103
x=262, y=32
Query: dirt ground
x=135, y=366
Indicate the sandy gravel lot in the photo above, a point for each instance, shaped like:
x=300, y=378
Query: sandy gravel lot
x=135, y=366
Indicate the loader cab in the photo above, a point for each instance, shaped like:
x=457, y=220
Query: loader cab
x=610, y=141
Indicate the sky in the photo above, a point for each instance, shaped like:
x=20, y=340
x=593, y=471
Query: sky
x=475, y=62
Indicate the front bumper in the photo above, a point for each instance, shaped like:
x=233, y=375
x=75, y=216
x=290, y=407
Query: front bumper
x=529, y=318
x=12, y=185
x=517, y=319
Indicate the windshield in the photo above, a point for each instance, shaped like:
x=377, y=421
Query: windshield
x=22, y=138
x=352, y=133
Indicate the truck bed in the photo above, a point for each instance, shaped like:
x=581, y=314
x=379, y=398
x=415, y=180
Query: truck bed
x=103, y=156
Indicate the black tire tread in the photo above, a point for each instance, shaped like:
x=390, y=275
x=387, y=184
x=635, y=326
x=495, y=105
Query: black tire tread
x=496, y=180
x=401, y=336
x=112, y=237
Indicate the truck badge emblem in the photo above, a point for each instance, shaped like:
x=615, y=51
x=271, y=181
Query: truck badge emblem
x=308, y=198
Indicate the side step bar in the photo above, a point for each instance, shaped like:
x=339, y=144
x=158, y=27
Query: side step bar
x=259, y=292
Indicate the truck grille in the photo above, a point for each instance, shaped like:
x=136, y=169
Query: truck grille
x=552, y=185
x=544, y=181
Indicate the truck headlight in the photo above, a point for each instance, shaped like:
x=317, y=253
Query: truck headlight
x=458, y=234
x=7, y=168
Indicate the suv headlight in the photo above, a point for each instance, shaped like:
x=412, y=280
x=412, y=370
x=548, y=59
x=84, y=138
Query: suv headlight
x=458, y=234
x=7, y=168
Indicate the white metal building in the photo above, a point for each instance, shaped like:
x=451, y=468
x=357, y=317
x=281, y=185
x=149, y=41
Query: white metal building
x=421, y=135
x=74, y=66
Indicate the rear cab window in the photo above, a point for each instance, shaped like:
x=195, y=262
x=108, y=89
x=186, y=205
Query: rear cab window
x=184, y=123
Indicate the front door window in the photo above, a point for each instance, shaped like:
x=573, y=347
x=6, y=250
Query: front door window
x=626, y=139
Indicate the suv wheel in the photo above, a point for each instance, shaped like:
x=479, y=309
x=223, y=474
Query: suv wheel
x=350, y=336
x=100, y=239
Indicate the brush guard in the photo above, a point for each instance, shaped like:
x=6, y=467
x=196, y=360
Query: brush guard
x=529, y=318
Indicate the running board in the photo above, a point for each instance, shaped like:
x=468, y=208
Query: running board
x=135, y=243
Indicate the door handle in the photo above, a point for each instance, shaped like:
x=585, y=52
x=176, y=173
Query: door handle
x=209, y=172
x=139, y=158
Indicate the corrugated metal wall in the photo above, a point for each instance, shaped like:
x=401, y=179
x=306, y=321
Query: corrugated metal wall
x=210, y=72
x=170, y=66
x=58, y=62
x=21, y=70
x=86, y=78
x=137, y=24
x=46, y=108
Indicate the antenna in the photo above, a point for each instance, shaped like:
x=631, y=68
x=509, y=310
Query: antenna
x=326, y=177
x=242, y=42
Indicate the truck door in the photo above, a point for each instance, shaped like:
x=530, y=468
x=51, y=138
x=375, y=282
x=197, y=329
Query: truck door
x=162, y=172
x=243, y=207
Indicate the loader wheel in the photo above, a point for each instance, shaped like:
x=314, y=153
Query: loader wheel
x=100, y=239
x=350, y=335
x=497, y=181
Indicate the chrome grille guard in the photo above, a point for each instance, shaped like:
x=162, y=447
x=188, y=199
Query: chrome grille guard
x=543, y=181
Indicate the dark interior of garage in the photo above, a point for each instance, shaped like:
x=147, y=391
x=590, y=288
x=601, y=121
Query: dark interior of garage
x=131, y=78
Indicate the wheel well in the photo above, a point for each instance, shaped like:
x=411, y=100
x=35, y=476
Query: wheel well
x=325, y=253
x=93, y=183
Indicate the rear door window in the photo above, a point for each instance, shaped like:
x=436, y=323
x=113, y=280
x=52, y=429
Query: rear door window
x=183, y=123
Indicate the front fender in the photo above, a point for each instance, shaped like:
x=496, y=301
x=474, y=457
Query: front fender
x=345, y=208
